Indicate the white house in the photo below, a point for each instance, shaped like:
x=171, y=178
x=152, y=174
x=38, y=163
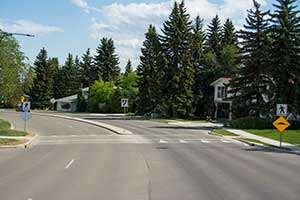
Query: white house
x=69, y=104
x=221, y=96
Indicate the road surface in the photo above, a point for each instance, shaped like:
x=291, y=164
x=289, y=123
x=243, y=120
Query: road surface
x=73, y=160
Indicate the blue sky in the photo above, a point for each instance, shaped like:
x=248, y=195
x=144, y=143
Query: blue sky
x=63, y=26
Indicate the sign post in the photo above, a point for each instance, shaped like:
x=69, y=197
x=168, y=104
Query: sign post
x=281, y=124
x=124, y=104
x=52, y=101
x=26, y=115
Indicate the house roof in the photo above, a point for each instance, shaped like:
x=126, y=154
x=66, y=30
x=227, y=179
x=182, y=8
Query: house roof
x=72, y=97
x=223, y=79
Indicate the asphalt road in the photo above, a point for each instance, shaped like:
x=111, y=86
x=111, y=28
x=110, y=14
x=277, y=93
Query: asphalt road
x=72, y=160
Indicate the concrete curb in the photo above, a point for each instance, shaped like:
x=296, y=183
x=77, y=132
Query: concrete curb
x=25, y=145
x=215, y=134
x=115, y=129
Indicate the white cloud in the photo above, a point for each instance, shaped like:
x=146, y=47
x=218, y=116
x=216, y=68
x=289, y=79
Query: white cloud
x=24, y=26
x=127, y=23
x=84, y=6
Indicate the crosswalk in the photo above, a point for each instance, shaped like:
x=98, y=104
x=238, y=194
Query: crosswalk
x=96, y=139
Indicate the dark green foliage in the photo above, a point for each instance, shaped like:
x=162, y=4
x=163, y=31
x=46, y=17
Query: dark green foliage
x=229, y=36
x=106, y=61
x=81, y=102
x=41, y=92
x=179, y=77
x=70, y=84
x=198, y=40
x=128, y=67
x=250, y=88
x=86, y=70
x=150, y=74
x=129, y=89
x=214, y=37
x=250, y=123
x=285, y=53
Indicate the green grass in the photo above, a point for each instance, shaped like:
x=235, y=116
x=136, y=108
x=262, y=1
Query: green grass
x=289, y=136
x=263, y=143
x=4, y=125
x=5, y=130
x=11, y=141
x=223, y=132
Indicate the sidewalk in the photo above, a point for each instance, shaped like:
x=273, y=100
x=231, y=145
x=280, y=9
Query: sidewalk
x=263, y=139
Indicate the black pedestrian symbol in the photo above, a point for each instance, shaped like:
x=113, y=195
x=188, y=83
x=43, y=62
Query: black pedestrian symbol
x=282, y=110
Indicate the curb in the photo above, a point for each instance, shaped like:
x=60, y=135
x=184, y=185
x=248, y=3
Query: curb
x=214, y=134
x=115, y=129
x=21, y=146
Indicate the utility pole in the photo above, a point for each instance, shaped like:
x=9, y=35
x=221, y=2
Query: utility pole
x=4, y=34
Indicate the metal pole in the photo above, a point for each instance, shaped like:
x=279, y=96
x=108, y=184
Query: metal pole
x=280, y=139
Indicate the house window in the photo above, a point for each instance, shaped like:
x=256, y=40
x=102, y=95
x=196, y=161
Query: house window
x=222, y=93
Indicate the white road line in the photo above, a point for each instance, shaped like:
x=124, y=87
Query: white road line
x=205, y=141
x=183, y=141
x=163, y=141
x=225, y=141
x=69, y=164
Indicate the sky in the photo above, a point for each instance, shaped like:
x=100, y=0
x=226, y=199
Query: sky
x=72, y=26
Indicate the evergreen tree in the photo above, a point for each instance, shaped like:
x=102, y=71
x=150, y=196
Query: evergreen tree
x=70, y=84
x=128, y=67
x=106, y=61
x=81, y=102
x=250, y=88
x=177, y=40
x=229, y=36
x=150, y=74
x=52, y=75
x=198, y=38
x=86, y=70
x=285, y=52
x=214, y=37
x=40, y=92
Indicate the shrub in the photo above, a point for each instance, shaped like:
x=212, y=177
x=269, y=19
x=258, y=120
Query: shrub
x=250, y=123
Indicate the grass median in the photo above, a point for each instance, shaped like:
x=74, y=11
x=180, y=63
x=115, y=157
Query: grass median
x=11, y=142
x=221, y=131
x=288, y=136
x=6, y=131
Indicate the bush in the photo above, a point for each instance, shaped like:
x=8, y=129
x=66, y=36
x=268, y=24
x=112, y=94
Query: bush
x=250, y=123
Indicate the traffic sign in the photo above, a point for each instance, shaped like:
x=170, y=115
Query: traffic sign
x=26, y=106
x=26, y=116
x=281, y=110
x=22, y=99
x=124, y=103
x=52, y=101
x=281, y=124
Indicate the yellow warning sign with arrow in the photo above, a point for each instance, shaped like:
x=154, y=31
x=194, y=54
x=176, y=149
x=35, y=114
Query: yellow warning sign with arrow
x=281, y=124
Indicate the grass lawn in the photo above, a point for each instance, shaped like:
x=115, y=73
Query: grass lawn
x=11, y=141
x=289, y=136
x=5, y=130
x=223, y=132
x=4, y=125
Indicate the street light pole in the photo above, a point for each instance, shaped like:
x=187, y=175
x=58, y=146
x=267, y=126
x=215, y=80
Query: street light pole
x=4, y=34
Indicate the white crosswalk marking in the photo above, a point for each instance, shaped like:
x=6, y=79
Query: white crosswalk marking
x=183, y=141
x=163, y=141
x=205, y=141
x=225, y=141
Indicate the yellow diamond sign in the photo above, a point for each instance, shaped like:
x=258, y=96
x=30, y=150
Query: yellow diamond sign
x=22, y=99
x=281, y=124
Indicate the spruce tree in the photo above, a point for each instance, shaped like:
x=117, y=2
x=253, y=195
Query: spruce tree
x=40, y=93
x=177, y=40
x=214, y=37
x=229, y=36
x=150, y=74
x=198, y=42
x=81, y=102
x=53, y=76
x=86, y=70
x=250, y=88
x=106, y=61
x=285, y=52
x=70, y=83
x=128, y=67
